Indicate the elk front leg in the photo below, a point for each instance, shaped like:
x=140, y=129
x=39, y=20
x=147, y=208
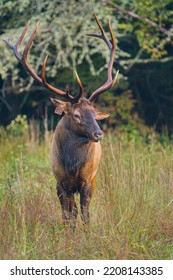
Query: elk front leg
x=85, y=197
x=69, y=207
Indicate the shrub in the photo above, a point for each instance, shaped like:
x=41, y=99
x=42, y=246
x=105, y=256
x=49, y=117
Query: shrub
x=18, y=126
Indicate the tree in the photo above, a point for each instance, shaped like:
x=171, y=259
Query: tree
x=144, y=41
x=148, y=22
x=63, y=25
x=146, y=28
x=62, y=29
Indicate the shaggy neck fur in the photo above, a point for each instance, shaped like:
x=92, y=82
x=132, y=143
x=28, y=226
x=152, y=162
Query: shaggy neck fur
x=73, y=149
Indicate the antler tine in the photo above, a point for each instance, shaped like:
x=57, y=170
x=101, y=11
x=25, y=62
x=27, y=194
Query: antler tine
x=57, y=91
x=17, y=45
x=110, y=82
x=25, y=55
x=22, y=35
x=80, y=93
x=102, y=36
x=65, y=94
x=23, y=59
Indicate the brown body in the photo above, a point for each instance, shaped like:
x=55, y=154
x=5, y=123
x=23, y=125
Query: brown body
x=76, y=150
x=86, y=172
x=75, y=156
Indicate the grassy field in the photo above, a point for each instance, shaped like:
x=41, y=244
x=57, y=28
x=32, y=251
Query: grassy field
x=131, y=210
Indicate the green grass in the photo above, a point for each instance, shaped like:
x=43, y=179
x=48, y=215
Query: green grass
x=131, y=210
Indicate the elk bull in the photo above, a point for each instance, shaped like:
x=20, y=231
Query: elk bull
x=76, y=150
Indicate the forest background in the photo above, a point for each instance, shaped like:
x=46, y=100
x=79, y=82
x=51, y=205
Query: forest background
x=143, y=96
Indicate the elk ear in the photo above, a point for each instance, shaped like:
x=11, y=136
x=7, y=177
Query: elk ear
x=61, y=106
x=100, y=115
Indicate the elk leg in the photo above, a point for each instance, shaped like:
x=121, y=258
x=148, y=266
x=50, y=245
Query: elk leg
x=73, y=212
x=69, y=207
x=85, y=197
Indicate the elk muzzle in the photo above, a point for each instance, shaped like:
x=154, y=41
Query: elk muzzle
x=97, y=135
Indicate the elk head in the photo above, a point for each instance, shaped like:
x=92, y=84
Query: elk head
x=80, y=111
x=82, y=118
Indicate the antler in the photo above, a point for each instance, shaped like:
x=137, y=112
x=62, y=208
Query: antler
x=110, y=82
x=42, y=80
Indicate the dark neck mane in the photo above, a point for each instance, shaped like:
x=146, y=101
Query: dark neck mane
x=73, y=150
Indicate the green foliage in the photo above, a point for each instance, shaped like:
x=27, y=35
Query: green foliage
x=160, y=13
x=152, y=17
x=128, y=123
x=18, y=126
x=62, y=29
x=124, y=118
x=61, y=35
x=3, y=132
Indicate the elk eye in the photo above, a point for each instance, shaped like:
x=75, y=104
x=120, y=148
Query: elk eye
x=76, y=116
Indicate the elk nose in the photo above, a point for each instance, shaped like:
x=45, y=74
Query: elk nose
x=97, y=135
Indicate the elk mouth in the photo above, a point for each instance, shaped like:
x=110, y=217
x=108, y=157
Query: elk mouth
x=94, y=137
x=97, y=135
x=97, y=139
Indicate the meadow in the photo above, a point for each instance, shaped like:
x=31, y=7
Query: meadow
x=131, y=210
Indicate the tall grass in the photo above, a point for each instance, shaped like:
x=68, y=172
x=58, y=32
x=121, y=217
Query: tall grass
x=131, y=210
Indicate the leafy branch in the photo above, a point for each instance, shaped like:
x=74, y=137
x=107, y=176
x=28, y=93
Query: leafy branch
x=136, y=16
